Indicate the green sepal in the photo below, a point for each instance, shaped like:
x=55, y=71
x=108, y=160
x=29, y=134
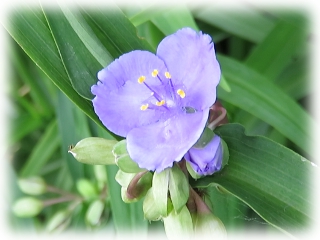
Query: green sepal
x=178, y=225
x=123, y=160
x=206, y=136
x=126, y=164
x=160, y=185
x=150, y=211
x=32, y=185
x=94, y=150
x=178, y=188
x=225, y=158
x=192, y=172
x=224, y=84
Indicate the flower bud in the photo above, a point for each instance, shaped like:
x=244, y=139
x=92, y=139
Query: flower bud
x=137, y=188
x=178, y=225
x=86, y=188
x=160, y=185
x=27, y=207
x=209, y=159
x=123, y=160
x=94, y=150
x=178, y=188
x=32, y=185
x=124, y=178
x=150, y=212
x=59, y=221
x=100, y=173
x=208, y=226
x=94, y=213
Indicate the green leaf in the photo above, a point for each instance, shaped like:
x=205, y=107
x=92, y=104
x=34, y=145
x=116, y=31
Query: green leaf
x=224, y=84
x=126, y=217
x=30, y=30
x=246, y=23
x=79, y=63
x=270, y=178
x=277, y=49
x=73, y=127
x=146, y=14
x=94, y=150
x=42, y=151
x=88, y=37
x=294, y=78
x=115, y=31
x=174, y=19
x=258, y=96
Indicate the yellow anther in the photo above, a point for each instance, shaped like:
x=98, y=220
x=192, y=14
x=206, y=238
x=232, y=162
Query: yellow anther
x=144, y=107
x=167, y=74
x=160, y=103
x=155, y=73
x=141, y=79
x=181, y=93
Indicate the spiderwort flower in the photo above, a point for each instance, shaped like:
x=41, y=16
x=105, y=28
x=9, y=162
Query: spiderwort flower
x=160, y=103
x=207, y=160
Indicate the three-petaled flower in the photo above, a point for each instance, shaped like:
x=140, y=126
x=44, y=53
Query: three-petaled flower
x=160, y=103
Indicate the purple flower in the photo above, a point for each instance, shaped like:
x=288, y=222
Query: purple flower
x=160, y=103
x=207, y=160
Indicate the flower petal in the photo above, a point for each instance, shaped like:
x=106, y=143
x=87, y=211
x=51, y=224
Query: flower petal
x=207, y=160
x=191, y=60
x=119, y=95
x=157, y=146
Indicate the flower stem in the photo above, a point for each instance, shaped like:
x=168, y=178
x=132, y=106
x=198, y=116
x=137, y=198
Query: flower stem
x=53, y=189
x=196, y=204
x=53, y=201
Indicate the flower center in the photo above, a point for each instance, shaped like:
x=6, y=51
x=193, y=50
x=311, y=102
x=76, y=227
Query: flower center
x=163, y=95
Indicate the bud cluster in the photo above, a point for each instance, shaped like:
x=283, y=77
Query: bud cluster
x=167, y=194
x=89, y=195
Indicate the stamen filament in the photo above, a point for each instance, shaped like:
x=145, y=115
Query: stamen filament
x=154, y=93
